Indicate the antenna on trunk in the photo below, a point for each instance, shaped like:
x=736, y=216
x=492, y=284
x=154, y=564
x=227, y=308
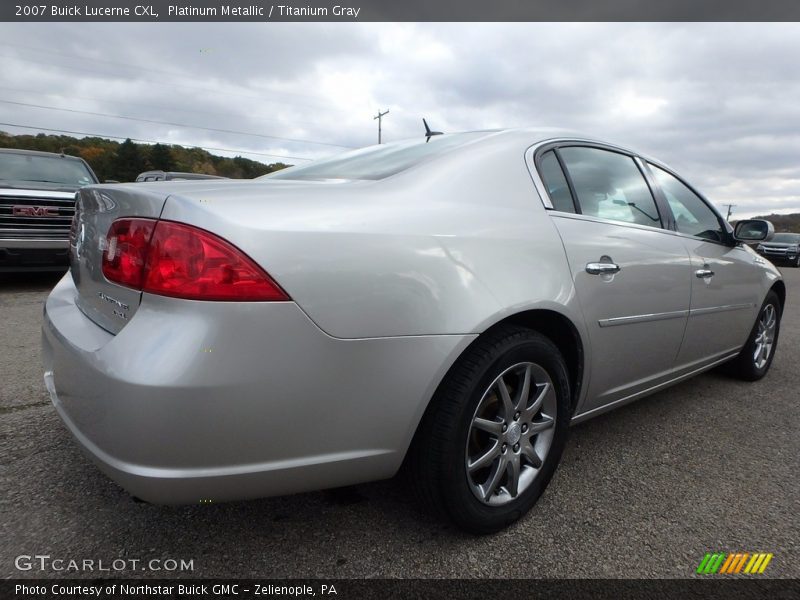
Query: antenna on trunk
x=428, y=132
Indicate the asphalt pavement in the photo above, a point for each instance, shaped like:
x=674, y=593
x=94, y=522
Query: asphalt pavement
x=710, y=465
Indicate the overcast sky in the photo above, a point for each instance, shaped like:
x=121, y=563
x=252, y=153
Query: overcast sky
x=718, y=102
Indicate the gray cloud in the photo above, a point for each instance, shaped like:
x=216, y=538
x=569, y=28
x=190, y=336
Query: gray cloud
x=716, y=101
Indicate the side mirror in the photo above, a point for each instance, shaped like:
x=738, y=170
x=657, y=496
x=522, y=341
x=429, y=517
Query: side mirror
x=753, y=230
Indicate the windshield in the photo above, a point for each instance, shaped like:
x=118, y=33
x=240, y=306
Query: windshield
x=786, y=238
x=377, y=162
x=44, y=169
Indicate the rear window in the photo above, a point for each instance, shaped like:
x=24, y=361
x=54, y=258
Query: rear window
x=377, y=162
x=44, y=169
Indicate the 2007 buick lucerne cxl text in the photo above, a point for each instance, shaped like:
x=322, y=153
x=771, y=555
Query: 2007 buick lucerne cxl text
x=449, y=304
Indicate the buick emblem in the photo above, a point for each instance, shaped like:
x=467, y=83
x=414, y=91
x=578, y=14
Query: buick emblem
x=514, y=434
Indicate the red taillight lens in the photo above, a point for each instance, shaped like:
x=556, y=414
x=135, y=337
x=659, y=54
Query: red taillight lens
x=125, y=251
x=182, y=261
x=187, y=262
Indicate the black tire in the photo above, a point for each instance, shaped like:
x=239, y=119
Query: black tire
x=437, y=466
x=744, y=366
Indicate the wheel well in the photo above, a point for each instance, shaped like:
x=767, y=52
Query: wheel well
x=559, y=330
x=780, y=289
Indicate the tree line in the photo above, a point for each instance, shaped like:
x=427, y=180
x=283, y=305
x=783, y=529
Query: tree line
x=124, y=161
x=784, y=223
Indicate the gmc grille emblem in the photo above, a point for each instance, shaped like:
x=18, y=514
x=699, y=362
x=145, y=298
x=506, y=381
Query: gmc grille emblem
x=34, y=211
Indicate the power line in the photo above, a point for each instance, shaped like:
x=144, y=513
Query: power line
x=117, y=137
x=98, y=60
x=166, y=84
x=182, y=109
x=147, y=69
x=98, y=114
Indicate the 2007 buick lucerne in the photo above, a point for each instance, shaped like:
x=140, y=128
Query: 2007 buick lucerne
x=450, y=304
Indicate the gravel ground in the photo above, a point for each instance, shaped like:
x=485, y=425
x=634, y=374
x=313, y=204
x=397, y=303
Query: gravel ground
x=644, y=491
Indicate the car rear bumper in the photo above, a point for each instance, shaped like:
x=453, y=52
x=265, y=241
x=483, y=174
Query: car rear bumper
x=218, y=401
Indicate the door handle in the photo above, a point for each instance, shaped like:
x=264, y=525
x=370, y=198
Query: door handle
x=704, y=273
x=602, y=268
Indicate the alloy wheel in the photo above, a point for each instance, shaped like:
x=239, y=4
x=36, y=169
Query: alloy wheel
x=765, y=338
x=511, y=433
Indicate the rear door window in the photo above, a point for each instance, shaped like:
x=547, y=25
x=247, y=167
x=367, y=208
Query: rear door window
x=610, y=185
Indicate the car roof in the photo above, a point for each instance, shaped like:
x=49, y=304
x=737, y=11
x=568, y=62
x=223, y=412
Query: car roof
x=38, y=153
x=537, y=135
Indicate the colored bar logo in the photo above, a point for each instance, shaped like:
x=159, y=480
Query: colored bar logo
x=733, y=563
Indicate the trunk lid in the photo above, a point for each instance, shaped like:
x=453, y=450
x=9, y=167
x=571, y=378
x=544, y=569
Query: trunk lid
x=109, y=305
x=254, y=215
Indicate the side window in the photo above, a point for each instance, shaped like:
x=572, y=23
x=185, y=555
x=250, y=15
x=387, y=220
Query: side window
x=557, y=186
x=692, y=215
x=610, y=185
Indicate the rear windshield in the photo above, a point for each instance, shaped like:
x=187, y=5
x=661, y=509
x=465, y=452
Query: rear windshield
x=377, y=162
x=44, y=169
x=786, y=238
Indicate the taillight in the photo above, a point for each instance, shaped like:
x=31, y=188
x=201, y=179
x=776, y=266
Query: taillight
x=187, y=262
x=125, y=251
x=182, y=261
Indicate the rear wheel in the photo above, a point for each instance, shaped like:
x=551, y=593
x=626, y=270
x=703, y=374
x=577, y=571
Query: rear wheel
x=756, y=356
x=494, y=433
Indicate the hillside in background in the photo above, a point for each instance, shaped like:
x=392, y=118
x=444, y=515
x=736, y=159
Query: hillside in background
x=124, y=161
x=786, y=223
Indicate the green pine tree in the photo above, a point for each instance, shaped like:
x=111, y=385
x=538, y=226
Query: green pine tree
x=128, y=162
x=161, y=158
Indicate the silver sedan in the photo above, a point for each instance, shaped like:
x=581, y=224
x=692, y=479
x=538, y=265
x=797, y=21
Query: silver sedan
x=448, y=305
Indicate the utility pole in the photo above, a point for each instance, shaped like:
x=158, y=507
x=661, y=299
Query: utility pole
x=379, y=116
x=730, y=210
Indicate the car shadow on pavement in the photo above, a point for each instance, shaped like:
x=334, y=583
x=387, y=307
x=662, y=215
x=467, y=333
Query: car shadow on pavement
x=392, y=498
x=647, y=456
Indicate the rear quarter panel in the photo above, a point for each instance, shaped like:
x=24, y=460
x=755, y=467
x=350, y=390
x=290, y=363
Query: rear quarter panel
x=448, y=247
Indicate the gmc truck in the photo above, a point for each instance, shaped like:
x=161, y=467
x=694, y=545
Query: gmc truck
x=37, y=201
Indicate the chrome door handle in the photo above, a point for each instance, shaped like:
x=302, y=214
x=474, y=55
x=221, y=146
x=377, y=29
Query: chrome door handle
x=704, y=273
x=601, y=268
